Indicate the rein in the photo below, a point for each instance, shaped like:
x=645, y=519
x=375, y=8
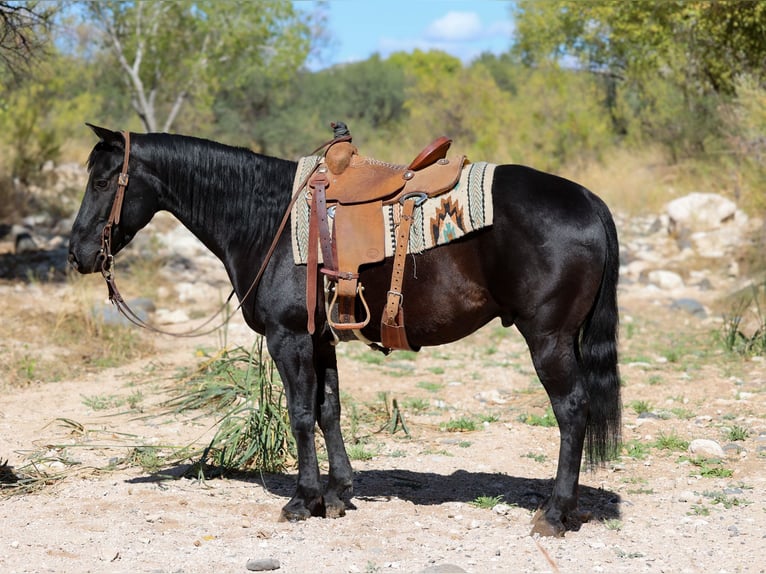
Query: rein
x=107, y=258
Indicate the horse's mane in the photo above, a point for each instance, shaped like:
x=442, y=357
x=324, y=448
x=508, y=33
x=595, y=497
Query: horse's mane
x=226, y=189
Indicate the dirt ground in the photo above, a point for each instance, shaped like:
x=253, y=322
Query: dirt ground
x=653, y=510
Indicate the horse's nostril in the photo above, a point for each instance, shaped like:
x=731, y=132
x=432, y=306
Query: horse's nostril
x=72, y=261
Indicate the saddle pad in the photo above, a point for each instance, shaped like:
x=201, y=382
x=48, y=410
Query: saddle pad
x=439, y=220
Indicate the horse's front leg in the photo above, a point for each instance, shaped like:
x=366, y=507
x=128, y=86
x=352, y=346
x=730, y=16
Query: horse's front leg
x=340, y=484
x=293, y=354
x=560, y=374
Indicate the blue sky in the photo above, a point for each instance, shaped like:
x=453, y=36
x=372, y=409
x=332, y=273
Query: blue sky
x=465, y=29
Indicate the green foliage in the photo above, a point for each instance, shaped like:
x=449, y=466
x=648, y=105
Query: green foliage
x=254, y=430
x=737, y=433
x=710, y=468
x=706, y=43
x=462, y=424
x=369, y=96
x=671, y=442
x=547, y=419
x=487, y=502
x=641, y=407
x=174, y=52
x=667, y=67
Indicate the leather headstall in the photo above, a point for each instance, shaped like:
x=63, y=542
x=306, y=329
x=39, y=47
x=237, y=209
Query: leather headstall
x=107, y=259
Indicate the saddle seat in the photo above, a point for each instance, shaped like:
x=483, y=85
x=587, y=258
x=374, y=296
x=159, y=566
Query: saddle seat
x=355, y=179
x=358, y=187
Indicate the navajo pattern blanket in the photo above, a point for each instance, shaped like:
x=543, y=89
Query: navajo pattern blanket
x=439, y=220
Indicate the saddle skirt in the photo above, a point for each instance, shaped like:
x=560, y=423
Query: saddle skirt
x=437, y=221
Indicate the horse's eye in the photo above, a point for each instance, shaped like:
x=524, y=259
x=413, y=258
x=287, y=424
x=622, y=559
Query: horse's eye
x=101, y=184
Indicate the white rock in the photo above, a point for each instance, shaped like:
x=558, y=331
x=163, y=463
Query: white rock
x=665, y=279
x=699, y=211
x=706, y=448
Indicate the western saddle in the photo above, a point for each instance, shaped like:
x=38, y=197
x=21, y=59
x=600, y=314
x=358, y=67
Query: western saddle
x=357, y=188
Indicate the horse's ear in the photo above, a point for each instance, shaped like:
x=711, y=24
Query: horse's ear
x=106, y=135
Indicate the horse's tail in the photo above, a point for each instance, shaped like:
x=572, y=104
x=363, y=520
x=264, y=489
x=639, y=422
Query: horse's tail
x=598, y=354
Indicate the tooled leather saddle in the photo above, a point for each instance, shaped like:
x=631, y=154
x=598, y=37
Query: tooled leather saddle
x=357, y=188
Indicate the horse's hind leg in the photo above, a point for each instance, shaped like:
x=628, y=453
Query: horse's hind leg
x=558, y=369
x=340, y=483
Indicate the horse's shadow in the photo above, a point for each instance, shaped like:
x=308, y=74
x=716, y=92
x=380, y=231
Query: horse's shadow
x=428, y=488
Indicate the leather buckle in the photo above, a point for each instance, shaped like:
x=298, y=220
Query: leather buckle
x=421, y=198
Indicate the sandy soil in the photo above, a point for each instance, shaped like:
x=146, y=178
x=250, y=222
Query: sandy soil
x=413, y=508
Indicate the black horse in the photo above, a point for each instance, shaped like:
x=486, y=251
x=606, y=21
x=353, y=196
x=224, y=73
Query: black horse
x=548, y=264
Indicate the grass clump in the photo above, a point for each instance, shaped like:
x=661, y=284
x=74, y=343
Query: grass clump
x=547, y=419
x=254, y=430
x=737, y=433
x=671, y=442
x=486, y=502
x=463, y=424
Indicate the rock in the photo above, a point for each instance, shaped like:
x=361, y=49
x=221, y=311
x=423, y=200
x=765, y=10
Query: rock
x=109, y=315
x=691, y=306
x=665, y=279
x=24, y=243
x=699, y=212
x=262, y=564
x=706, y=448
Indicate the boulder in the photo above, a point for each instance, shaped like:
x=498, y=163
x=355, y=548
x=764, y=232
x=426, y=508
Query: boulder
x=699, y=212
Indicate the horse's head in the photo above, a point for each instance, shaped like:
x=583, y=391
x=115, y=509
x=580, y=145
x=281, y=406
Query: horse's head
x=139, y=204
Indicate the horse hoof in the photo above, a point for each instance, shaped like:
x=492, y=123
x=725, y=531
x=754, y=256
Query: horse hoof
x=334, y=507
x=297, y=509
x=542, y=527
x=293, y=515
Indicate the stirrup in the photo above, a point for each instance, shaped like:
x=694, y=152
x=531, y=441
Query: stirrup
x=348, y=326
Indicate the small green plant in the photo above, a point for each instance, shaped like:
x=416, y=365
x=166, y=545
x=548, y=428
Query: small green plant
x=149, y=458
x=671, y=442
x=736, y=433
x=416, y=404
x=429, y=386
x=547, y=419
x=710, y=468
x=641, y=407
x=699, y=510
x=359, y=451
x=725, y=500
x=682, y=413
x=488, y=418
x=537, y=457
x=102, y=402
x=463, y=424
x=636, y=449
x=486, y=502
x=613, y=524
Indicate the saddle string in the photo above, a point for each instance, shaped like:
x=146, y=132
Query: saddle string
x=107, y=259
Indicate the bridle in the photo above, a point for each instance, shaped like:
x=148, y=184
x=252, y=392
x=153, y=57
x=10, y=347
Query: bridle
x=107, y=258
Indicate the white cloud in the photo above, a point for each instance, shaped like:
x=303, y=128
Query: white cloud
x=455, y=27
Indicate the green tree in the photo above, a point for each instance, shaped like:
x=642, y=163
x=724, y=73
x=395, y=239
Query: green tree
x=369, y=96
x=706, y=42
x=665, y=67
x=176, y=51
